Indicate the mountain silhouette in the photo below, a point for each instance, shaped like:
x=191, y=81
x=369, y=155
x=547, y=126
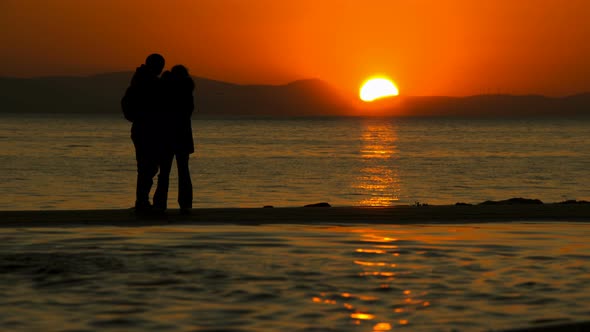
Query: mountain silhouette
x=67, y=94
x=102, y=94
x=498, y=106
x=299, y=98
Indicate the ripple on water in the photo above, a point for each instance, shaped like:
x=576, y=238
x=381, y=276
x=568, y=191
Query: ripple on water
x=295, y=278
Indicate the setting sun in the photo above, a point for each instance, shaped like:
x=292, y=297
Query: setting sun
x=376, y=88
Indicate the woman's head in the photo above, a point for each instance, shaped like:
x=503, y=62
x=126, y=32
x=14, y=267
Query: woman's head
x=179, y=71
x=180, y=74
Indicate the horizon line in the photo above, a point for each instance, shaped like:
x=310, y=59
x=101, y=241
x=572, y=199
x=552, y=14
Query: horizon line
x=532, y=94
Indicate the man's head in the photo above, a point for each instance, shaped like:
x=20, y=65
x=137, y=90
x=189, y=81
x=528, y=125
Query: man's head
x=155, y=63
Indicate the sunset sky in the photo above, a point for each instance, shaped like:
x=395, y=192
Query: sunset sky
x=428, y=47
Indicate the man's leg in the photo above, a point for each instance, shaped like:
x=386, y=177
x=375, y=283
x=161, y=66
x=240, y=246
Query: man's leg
x=161, y=194
x=146, y=170
x=185, y=186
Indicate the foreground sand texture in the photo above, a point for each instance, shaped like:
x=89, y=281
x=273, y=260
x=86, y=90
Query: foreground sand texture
x=334, y=215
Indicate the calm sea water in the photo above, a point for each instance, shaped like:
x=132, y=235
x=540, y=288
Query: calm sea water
x=87, y=162
x=297, y=278
x=294, y=278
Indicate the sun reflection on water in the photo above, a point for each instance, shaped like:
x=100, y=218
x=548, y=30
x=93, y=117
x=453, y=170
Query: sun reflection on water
x=373, y=251
x=379, y=179
x=401, y=278
x=377, y=261
x=382, y=327
x=361, y=316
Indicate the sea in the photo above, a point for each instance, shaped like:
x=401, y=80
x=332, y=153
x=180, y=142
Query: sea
x=308, y=278
x=316, y=278
x=69, y=161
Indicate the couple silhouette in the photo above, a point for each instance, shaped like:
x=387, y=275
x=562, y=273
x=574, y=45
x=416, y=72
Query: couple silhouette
x=160, y=108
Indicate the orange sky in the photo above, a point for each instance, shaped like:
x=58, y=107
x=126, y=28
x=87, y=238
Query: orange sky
x=429, y=47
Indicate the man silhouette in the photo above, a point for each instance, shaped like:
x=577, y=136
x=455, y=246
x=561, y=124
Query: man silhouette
x=141, y=105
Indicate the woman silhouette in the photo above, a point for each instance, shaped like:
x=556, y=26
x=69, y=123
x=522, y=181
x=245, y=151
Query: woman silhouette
x=177, y=137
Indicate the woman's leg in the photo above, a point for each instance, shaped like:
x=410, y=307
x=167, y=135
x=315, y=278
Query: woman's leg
x=185, y=185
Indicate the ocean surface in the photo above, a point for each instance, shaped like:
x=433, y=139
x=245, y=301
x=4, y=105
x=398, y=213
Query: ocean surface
x=87, y=162
x=295, y=278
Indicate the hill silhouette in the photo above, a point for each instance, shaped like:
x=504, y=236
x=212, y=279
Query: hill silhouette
x=102, y=94
x=64, y=94
x=299, y=98
x=498, y=105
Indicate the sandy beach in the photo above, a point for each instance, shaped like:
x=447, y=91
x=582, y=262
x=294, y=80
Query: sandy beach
x=334, y=215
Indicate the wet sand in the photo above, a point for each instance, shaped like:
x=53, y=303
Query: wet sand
x=334, y=215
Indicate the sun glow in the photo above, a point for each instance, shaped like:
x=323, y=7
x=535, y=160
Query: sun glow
x=377, y=88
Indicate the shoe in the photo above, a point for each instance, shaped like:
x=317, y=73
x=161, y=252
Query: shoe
x=158, y=212
x=159, y=208
x=142, y=208
x=185, y=212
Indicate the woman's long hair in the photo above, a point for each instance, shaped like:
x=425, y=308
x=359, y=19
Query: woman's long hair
x=180, y=74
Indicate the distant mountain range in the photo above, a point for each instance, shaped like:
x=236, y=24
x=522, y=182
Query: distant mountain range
x=102, y=94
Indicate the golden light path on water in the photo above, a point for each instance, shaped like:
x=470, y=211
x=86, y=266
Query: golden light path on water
x=378, y=178
x=380, y=250
x=381, y=246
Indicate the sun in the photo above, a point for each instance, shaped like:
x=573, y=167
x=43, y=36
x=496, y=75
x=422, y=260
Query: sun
x=376, y=88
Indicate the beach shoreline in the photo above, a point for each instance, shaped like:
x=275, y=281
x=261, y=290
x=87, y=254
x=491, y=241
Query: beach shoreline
x=396, y=215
